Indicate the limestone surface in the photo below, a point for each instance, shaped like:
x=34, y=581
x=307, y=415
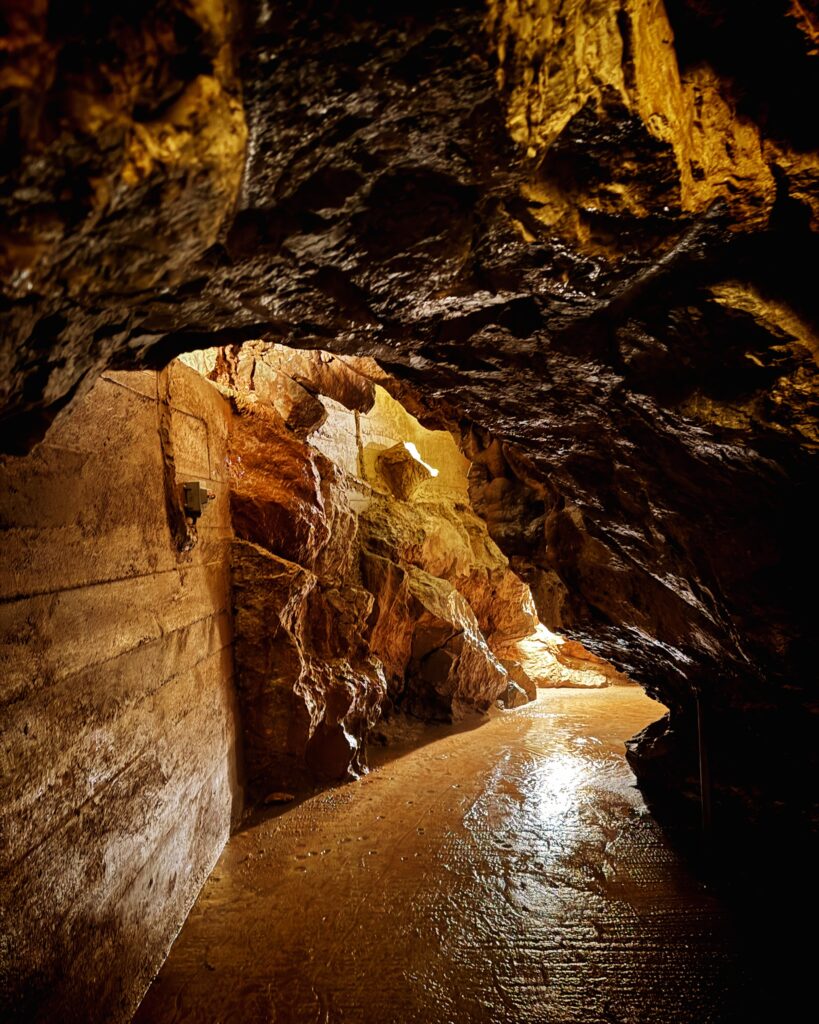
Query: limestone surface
x=363, y=583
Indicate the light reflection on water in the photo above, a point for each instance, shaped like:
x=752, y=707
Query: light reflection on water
x=500, y=874
x=554, y=790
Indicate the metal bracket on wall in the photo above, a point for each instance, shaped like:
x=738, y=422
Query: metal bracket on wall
x=197, y=498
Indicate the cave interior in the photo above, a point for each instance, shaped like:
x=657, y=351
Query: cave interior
x=373, y=376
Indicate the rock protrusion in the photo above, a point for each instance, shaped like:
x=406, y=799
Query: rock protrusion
x=402, y=471
x=515, y=696
x=309, y=689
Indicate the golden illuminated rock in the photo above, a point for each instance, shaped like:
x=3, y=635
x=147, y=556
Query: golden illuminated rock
x=801, y=171
x=519, y=680
x=807, y=18
x=362, y=580
x=309, y=689
x=579, y=77
x=551, y=660
x=402, y=469
x=437, y=660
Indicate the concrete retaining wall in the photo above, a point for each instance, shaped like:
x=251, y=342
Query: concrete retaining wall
x=118, y=735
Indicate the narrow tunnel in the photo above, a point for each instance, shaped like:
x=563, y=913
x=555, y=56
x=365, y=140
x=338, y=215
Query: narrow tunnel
x=409, y=424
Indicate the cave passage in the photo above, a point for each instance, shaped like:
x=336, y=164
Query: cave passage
x=339, y=610
x=369, y=371
x=506, y=872
x=303, y=579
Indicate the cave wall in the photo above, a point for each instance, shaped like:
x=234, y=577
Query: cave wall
x=363, y=583
x=588, y=231
x=119, y=739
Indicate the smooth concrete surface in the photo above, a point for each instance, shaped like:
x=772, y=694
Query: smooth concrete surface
x=118, y=772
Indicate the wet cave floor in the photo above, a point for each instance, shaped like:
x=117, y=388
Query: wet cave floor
x=508, y=872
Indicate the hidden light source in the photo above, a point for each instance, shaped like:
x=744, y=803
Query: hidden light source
x=417, y=456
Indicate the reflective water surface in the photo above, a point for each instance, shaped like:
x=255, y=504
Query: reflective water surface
x=502, y=873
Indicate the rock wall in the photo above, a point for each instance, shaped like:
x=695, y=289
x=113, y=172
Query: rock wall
x=363, y=583
x=118, y=742
x=586, y=232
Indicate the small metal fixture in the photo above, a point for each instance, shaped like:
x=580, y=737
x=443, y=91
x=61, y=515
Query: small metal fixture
x=705, y=771
x=197, y=498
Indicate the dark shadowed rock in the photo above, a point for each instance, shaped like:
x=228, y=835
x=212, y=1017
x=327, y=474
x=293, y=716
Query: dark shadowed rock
x=588, y=242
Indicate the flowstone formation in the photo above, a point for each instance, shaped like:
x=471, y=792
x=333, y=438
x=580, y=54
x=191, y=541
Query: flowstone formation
x=583, y=234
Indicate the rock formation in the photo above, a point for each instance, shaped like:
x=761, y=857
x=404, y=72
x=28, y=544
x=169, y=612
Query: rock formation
x=363, y=582
x=582, y=234
x=550, y=660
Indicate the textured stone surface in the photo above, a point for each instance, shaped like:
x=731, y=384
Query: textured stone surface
x=515, y=696
x=118, y=729
x=402, y=471
x=551, y=660
x=123, y=136
x=424, y=631
x=359, y=587
x=547, y=220
x=309, y=689
x=451, y=542
x=520, y=677
x=571, y=73
x=289, y=498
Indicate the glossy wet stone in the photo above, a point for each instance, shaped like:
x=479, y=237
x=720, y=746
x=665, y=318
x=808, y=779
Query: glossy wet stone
x=505, y=872
x=587, y=239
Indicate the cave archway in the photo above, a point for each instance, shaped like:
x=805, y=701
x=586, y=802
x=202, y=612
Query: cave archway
x=580, y=237
x=390, y=596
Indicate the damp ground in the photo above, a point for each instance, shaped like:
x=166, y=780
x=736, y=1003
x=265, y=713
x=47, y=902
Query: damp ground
x=506, y=872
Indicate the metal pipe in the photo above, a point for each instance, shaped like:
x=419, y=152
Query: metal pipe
x=705, y=773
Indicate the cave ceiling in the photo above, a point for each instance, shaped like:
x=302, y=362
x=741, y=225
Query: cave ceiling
x=582, y=234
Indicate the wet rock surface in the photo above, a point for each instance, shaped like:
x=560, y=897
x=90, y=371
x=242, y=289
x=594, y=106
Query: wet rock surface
x=551, y=660
x=361, y=587
x=505, y=873
x=586, y=236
